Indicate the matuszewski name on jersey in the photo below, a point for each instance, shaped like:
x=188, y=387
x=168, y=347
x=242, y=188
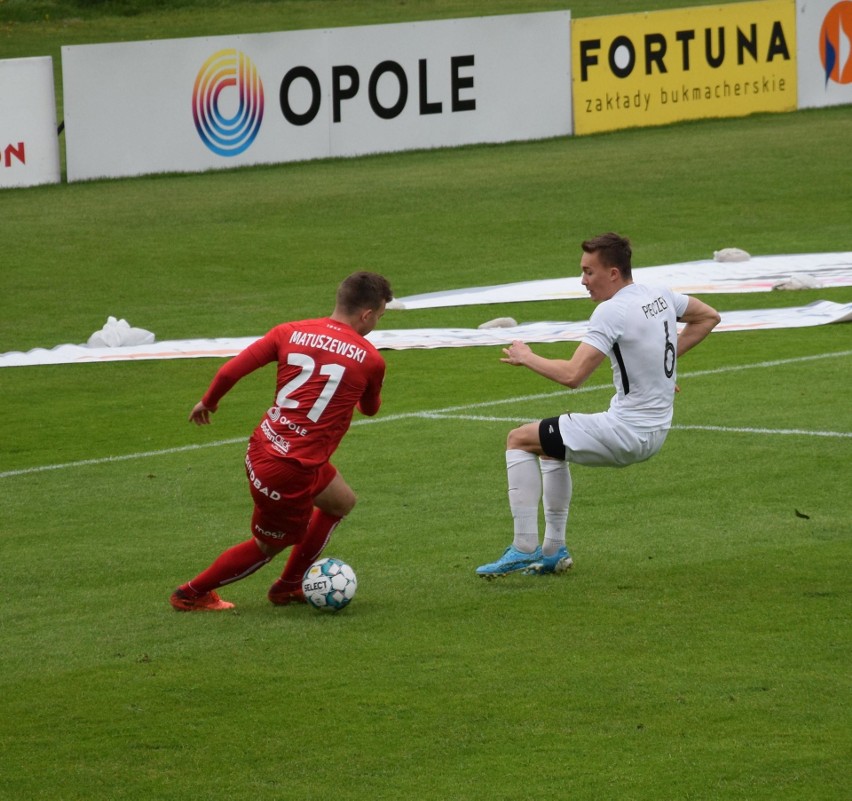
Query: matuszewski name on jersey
x=331, y=344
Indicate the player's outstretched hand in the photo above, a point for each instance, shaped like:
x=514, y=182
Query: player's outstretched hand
x=516, y=353
x=200, y=414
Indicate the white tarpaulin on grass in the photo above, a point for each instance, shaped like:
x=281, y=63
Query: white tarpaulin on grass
x=818, y=313
x=757, y=274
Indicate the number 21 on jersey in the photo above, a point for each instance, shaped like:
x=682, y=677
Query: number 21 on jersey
x=307, y=367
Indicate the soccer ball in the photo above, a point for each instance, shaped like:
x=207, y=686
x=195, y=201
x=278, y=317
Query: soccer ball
x=329, y=584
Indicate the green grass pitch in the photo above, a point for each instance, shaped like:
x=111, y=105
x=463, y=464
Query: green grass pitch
x=700, y=648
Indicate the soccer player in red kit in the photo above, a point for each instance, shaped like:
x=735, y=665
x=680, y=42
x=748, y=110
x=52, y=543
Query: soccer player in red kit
x=326, y=369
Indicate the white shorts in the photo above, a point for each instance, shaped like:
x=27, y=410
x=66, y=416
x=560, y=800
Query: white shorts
x=600, y=440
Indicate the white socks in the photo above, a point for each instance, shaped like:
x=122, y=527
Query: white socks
x=529, y=479
x=556, y=480
x=524, y=495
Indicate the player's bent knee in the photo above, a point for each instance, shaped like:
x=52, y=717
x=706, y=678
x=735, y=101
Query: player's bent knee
x=524, y=438
x=344, y=508
x=337, y=499
x=345, y=502
x=269, y=549
x=513, y=441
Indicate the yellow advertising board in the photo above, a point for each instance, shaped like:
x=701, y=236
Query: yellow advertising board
x=660, y=67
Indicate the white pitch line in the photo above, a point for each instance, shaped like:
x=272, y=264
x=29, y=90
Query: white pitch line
x=788, y=432
x=800, y=432
x=447, y=413
x=123, y=458
x=597, y=387
x=773, y=363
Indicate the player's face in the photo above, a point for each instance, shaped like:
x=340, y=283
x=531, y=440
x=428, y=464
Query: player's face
x=370, y=319
x=598, y=279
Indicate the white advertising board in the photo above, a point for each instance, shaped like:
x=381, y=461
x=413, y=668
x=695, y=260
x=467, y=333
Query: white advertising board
x=188, y=105
x=29, y=145
x=824, y=36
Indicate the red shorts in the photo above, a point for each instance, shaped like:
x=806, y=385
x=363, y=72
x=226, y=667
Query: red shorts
x=283, y=494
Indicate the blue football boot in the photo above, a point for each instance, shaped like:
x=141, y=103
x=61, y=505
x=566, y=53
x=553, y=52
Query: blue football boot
x=558, y=563
x=512, y=561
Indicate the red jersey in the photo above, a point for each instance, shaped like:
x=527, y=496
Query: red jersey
x=325, y=370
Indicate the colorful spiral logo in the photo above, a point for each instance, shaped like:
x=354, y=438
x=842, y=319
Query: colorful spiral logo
x=835, y=43
x=227, y=102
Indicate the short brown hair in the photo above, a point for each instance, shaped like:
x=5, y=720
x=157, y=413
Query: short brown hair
x=363, y=290
x=613, y=251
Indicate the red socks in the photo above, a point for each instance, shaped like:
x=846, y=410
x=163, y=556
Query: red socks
x=244, y=559
x=303, y=555
x=234, y=564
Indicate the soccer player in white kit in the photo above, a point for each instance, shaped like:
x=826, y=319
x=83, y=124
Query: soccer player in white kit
x=635, y=325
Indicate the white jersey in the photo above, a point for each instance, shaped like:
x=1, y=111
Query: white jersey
x=637, y=329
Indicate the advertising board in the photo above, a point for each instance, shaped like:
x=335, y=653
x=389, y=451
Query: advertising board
x=185, y=105
x=633, y=70
x=29, y=145
x=824, y=45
